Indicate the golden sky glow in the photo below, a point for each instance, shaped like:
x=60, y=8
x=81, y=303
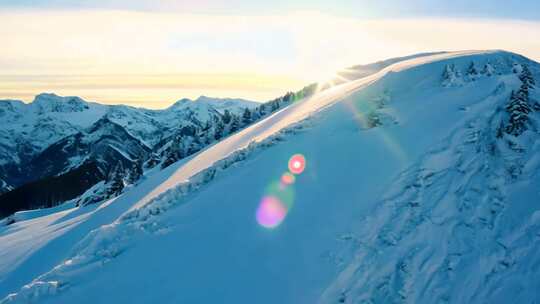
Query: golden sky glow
x=152, y=59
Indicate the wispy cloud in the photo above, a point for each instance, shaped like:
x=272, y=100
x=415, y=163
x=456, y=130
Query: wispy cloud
x=164, y=56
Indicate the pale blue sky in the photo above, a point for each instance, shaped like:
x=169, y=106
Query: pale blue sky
x=513, y=9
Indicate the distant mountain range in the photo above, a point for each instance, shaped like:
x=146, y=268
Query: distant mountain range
x=55, y=148
x=55, y=136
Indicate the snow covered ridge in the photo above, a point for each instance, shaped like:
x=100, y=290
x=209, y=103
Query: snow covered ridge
x=51, y=117
x=461, y=225
x=54, y=136
x=465, y=189
x=360, y=71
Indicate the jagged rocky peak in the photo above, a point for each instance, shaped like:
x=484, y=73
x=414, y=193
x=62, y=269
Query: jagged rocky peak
x=50, y=102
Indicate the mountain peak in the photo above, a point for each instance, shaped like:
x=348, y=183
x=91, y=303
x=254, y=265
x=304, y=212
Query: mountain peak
x=181, y=103
x=50, y=102
x=45, y=95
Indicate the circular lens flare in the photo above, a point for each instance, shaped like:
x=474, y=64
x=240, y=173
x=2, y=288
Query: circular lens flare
x=271, y=212
x=297, y=164
x=287, y=179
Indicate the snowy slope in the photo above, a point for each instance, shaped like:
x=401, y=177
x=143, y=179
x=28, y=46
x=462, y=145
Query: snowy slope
x=189, y=234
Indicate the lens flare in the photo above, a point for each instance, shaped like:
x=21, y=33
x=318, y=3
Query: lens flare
x=297, y=164
x=271, y=212
x=287, y=179
x=278, y=199
x=283, y=193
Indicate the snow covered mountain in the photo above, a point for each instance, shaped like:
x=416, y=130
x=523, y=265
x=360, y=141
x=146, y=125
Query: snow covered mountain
x=86, y=157
x=30, y=128
x=50, y=117
x=415, y=184
x=43, y=139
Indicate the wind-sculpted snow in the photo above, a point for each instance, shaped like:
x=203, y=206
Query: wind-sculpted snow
x=442, y=232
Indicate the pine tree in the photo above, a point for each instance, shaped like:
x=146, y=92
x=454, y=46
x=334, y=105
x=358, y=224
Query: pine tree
x=255, y=115
x=246, y=117
x=488, y=70
x=262, y=110
x=518, y=108
x=451, y=76
x=174, y=152
x=519, y=105
x=275, y=105
x=472, y=72
x=526, y=77
x=136, y=172
x=235, y=124
x=115, y=180
x=289, y=97
x=227, y=116
x=447, y=73
x=219, y=130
